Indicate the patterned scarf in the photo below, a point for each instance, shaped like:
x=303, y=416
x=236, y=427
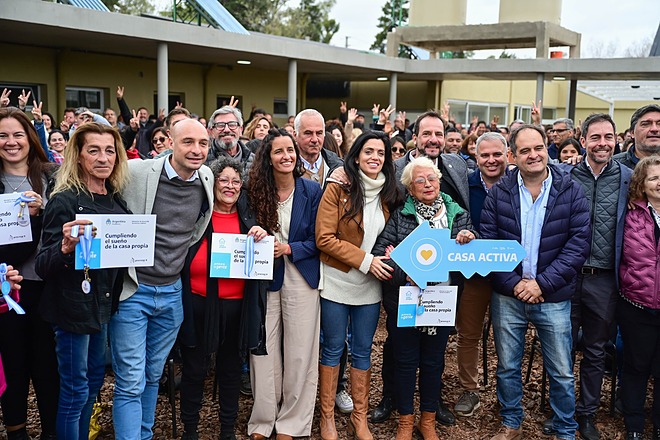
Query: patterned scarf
x=428, y=212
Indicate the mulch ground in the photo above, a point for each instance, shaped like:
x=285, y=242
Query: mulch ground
x=483, y=425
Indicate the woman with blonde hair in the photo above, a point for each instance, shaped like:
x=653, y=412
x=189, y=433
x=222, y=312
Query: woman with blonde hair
x=256, y=130
x=79, y=302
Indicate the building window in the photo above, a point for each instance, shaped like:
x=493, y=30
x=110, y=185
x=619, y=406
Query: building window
x=524, y=112
x=17, y=89
x=549, y=114
x=92, y=98
x=280, y=108
x=464, y=111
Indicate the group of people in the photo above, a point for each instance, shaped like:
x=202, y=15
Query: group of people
x=590, y=232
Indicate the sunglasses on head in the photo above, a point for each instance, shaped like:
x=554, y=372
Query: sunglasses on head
x=158, y=139
x=401, y=150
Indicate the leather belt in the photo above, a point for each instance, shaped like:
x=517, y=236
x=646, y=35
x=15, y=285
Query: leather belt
x=587, y=270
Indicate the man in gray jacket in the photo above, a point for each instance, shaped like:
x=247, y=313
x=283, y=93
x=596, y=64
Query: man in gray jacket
x=605, y=183
x=178, y=188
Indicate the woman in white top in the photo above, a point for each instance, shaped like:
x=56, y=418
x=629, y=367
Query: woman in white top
x=349, y=220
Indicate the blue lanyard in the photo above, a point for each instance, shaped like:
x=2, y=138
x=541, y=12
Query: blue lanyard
x=6, y=289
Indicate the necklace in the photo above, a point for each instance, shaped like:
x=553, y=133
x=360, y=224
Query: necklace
x=12, y=186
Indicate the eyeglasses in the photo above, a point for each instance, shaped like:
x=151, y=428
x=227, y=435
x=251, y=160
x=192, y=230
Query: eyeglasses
x=558, y=130
x=158, y=139
x=233, y=125
x=420, y=181
x=401, y=150
x=227, y=182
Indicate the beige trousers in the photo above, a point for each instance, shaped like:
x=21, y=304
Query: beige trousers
x=284, y=382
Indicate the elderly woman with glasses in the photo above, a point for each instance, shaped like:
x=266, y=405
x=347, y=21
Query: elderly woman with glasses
x=216, y=309
x=419, y=347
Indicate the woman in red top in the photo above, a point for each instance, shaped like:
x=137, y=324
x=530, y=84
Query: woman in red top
x=216, y=309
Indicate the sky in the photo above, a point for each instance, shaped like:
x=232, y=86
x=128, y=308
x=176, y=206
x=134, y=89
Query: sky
x=620, y=23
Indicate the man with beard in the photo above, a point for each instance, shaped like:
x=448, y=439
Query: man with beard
x=645, y=125
x=225, y=128
x=429, y=138
x=605, y=184
x=453, y=140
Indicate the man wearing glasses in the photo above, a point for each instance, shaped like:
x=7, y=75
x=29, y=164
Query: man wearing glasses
x=561, y=130
x=225, y=128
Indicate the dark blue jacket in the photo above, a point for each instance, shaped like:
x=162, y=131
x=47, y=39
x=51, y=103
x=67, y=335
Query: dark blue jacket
x=477, y=197
x=302, y=235
x=565, y=236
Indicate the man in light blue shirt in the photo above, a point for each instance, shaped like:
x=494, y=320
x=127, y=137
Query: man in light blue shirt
x=547, y=212
x=532, y=213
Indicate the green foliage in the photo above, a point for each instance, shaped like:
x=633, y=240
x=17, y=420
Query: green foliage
x=395, y=13
x=255, y=15
x=504, y=55
x=311, y=19
x=130, y=7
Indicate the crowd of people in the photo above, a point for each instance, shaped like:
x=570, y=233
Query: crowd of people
x=338, y=196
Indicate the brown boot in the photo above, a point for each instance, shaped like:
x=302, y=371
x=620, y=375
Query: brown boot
x=357, y=424
x=406, y=425
x=327, y=389
x=507, y=433
x=426, y=426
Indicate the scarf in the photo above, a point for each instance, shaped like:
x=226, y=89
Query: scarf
x=372, y=187
x=428, y=212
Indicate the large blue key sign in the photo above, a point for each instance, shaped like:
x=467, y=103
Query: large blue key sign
x=428, y=255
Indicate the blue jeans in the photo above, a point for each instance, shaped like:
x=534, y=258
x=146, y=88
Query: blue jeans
x=142, y=334
x=510, y=317
x=81, y=364
x=334, y=322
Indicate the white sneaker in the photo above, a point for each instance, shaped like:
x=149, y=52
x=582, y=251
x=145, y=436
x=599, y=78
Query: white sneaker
x=344, y=402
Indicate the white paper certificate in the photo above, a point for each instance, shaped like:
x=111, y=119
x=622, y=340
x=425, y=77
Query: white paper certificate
x=11, y=230
x=229, y=257
x=435, y=308
x=122, y=240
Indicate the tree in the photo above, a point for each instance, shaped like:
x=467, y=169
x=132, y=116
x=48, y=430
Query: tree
x=130, y=7
x=639, y=48
x=311, y=19
x=503, y=55
x=255, y=15
x=395, y=14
